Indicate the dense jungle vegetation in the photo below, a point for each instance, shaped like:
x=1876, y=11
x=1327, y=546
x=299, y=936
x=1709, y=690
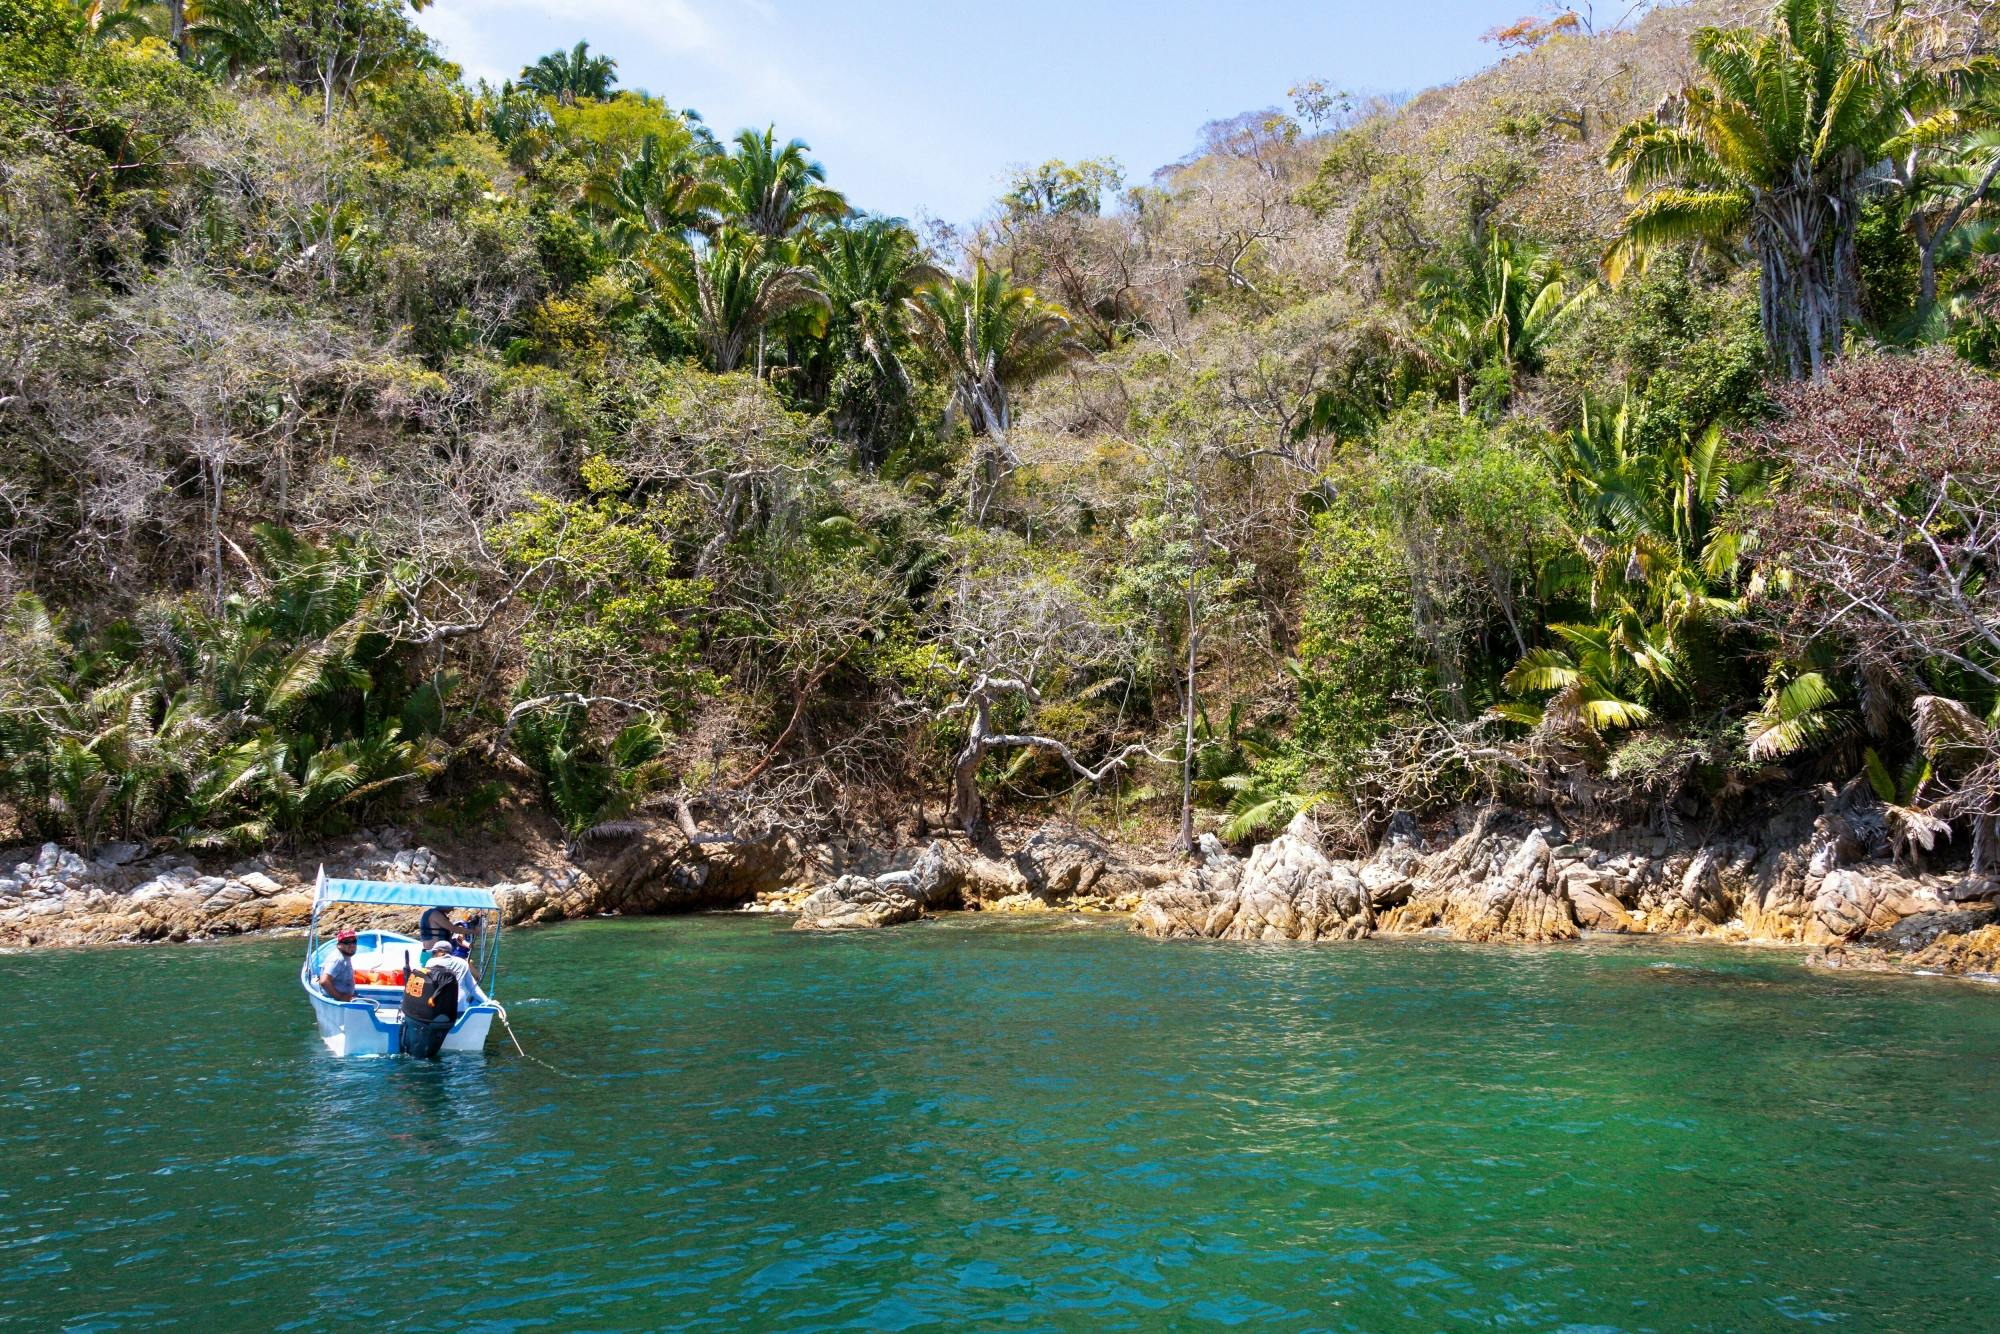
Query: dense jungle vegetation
x=1614, y=429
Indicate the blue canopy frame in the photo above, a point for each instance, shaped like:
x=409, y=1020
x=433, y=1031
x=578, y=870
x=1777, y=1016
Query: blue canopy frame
x=404, y=896
x=401, y=895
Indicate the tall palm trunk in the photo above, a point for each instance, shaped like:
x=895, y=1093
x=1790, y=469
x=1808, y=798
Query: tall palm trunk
x=1807, y=282
x=997, y=458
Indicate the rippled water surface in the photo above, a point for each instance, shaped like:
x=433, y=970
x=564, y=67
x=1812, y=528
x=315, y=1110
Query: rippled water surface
x=992, y=1125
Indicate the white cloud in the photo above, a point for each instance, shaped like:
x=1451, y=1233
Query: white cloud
x=491, y=39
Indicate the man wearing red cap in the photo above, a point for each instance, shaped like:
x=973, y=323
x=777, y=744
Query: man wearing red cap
x=337, y=978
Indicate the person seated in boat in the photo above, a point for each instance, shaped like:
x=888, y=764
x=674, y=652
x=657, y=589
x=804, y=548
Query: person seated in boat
x=337, y=978
x=435, y=924
x=432, y=1000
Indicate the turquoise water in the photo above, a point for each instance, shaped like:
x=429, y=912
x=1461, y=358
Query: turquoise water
x=979, y=1124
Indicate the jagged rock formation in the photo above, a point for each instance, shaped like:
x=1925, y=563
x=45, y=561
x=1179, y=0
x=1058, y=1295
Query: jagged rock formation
x=1484, y=889
x=1287, y=890
x=1811, y=877
x=1814, y=874
x=1063, y=866
x=1058, y=867
x=61, y=898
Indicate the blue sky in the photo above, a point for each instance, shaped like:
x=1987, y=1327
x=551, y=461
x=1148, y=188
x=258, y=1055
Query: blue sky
x=922, y=107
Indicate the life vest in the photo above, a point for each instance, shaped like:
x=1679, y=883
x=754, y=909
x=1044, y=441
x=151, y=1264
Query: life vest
x=431, y=995
x=434, y=924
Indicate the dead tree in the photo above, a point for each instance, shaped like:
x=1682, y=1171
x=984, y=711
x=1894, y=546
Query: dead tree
x=968, y=807
x=1015, y=627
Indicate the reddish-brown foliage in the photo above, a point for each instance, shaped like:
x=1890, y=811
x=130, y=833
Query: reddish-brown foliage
x=1526, y=34
x=1887, y=516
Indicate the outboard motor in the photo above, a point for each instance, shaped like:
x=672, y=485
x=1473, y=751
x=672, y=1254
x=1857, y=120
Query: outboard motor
x=430, y=1007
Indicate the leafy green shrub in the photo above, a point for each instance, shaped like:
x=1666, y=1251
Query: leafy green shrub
x=1358, y=654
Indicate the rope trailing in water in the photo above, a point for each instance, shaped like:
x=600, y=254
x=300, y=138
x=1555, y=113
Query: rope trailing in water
x=523, y=1052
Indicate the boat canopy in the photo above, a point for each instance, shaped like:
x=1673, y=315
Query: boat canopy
x=404, y=896
x=485, y=935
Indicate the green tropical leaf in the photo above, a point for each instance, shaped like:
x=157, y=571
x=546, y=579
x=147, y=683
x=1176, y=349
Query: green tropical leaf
x=1542, y=669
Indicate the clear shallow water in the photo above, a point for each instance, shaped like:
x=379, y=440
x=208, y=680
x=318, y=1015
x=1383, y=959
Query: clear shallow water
x=997, y=1125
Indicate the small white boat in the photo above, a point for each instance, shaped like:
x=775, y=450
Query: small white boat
x=372, y=1023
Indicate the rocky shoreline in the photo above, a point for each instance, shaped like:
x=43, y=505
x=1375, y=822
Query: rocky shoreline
x=1817, y=874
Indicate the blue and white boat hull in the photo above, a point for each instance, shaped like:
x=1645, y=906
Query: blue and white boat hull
x=371, y=1024
x=363, y=1027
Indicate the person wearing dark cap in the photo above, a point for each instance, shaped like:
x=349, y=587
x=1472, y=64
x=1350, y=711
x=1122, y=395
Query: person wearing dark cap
x=451, y=956
x=337, y=978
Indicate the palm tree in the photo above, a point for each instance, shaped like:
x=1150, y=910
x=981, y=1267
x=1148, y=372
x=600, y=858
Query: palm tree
x=231, y=37
x=569, y=75
x=1950, y=190
x=986, y=333
x=1497, y=311
x=731, y=287
x=660, y=191
x=1773, y=147
x=867, y=269
x=105, y=20
x=1659, y=567
x=773, y=191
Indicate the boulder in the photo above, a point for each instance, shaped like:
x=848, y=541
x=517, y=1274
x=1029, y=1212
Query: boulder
x=160, y=886
x=1200, y=904
x=112, y=855
x=414, y=866
x=1593, y=900
x=1386, y=883
x=936, y=880
x=656, y=867
x=982, y=880
x=520, y=902
x=59, y=864
x=855, y=901
x=263, y=886
x=1683, y=893
x=1061, y=864
x=1854, y=902
x=227, y=897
